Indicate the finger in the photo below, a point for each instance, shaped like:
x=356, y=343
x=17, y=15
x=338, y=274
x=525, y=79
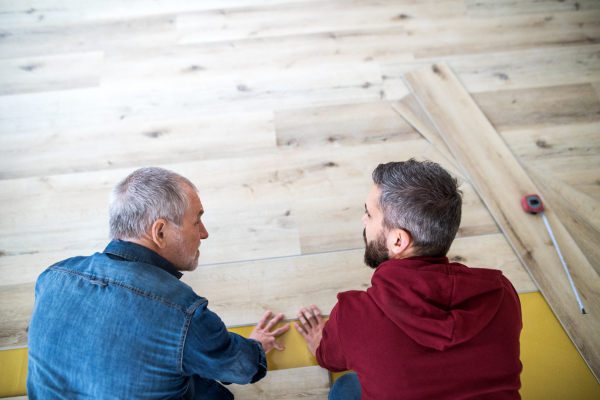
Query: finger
x=304, y=321
x=310, y=318
x=272, y=322
x=261, y=323
x=317, y=313
x=299, y=329
x=281, y=330
x=278, y=345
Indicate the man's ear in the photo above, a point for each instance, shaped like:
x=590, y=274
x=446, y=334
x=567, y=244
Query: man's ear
x=398, y=242
x=158, y=233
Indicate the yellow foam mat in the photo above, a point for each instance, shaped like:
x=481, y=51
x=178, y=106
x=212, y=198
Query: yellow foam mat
x=552, y=367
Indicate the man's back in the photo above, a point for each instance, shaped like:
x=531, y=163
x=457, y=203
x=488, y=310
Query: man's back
x=109, y=327
x=428, y=331
x=103, y=328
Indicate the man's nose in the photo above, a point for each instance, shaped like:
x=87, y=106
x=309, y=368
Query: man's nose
x=203, y=231
x=364, y=220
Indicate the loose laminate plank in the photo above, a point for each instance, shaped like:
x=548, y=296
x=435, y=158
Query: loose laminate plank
x=502, y=183
x=412, y=112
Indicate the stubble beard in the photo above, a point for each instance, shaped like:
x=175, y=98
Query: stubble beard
x=190, y=262
x=376, y=251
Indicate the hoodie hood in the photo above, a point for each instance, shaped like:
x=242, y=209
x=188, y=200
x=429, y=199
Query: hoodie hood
x=437, y=304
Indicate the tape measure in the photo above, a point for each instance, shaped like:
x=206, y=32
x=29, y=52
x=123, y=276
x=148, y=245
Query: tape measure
x=532, y=204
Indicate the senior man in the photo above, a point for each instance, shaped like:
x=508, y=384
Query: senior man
x=426, y=328
x=121, y=325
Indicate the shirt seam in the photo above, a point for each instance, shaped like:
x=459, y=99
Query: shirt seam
x=184, y=332
x=131, y=288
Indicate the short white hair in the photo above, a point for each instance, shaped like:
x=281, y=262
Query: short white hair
x=145, y=196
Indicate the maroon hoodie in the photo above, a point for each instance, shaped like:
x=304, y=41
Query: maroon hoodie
x=427, y=329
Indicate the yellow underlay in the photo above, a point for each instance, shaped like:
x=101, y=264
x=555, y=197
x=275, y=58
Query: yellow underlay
x=552, y=366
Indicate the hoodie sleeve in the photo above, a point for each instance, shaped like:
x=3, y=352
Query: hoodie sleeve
x=330, y=354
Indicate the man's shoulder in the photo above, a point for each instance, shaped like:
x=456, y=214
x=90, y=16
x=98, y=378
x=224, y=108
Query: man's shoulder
x=141, y=279
x=353, y=303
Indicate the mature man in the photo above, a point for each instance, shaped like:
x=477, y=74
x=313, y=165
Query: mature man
x=426, y=328
x=121, y=325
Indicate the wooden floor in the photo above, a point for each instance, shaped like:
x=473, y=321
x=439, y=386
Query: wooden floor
x=278, y=111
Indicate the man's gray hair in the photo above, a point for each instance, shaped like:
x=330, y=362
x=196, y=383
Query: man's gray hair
x=145, y=196
x=423, y=199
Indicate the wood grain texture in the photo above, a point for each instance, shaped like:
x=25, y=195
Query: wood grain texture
x=130, y=144
x=58, y=72
x=585, y=234
x=81, y=108
x=341, y=125
x=293, y=19
x=488, y=9
x=483, y=154
x=517, y=69
x=433, y=154
x=539, y=107
x=409, y=108
x=492, y=251
x=287, y=384
x=16, y=306
x=177, y=64
x=453, y=36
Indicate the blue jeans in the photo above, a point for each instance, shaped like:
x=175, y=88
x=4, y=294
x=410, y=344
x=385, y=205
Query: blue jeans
x=206, y=389
x=346, y=387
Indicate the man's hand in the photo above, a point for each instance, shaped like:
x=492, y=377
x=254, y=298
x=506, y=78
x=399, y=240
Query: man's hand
x=313, y=328
x=264, y=335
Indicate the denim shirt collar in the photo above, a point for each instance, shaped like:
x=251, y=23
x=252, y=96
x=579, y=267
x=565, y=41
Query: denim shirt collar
x=135, y=252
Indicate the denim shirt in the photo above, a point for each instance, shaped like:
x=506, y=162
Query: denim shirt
x=121, y=325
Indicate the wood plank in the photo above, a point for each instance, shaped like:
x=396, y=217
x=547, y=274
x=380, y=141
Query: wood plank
x=585, y=234
x=287, y=384
x=280, y=284
x=467, y=36
x=209, y=60
x=539, y=107
x=492, y=251
x=585, y=205
x=293, y=19
x=104, y=35
x=431, y=153
x=409, y=108
x=341, y=125
x=488, y=9
x=545, y=145
x=16, y=306
x=38, y=113
x=518, y=69
x=131, y=143
x=58, y=72
x=483, y=154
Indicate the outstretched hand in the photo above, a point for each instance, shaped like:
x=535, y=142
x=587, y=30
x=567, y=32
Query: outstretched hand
x=313, y=327
x=264, y=335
